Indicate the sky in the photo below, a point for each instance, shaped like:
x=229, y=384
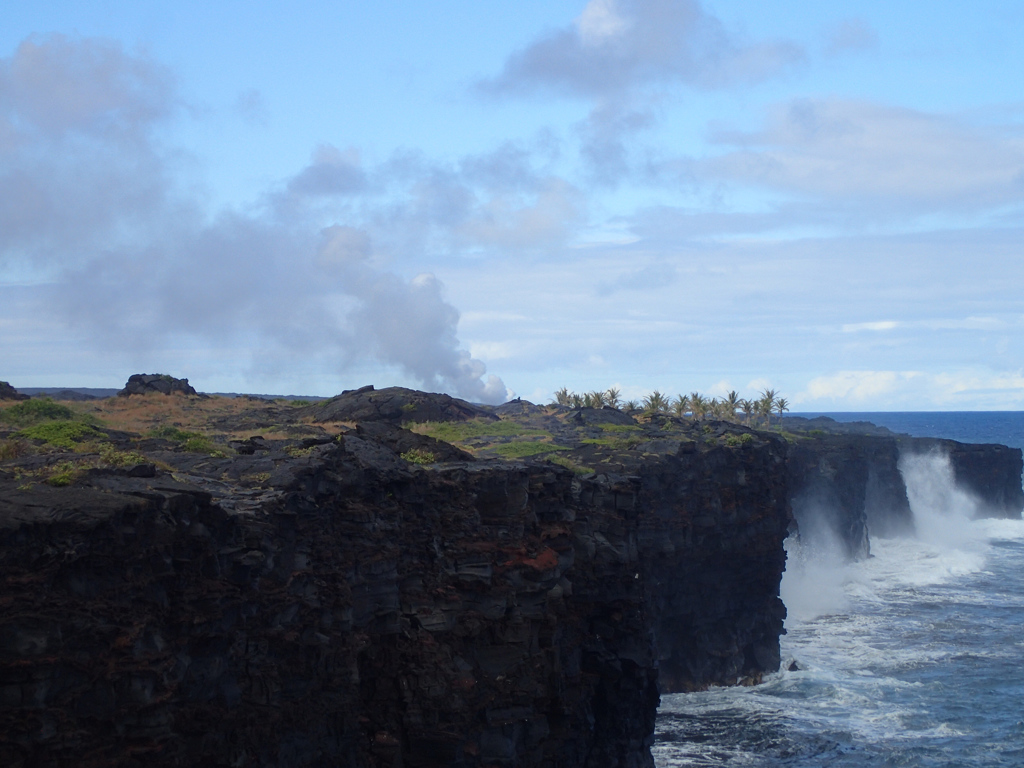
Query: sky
x=502, y=199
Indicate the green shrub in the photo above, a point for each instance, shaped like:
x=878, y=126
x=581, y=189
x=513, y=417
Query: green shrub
x=113, y=457
x=30, y=412
x=419, y=456
x=61, y=434
x=191, y=442
x=63, y=473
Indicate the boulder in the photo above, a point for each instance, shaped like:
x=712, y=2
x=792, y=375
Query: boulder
x=146, y=383
x=7, y=392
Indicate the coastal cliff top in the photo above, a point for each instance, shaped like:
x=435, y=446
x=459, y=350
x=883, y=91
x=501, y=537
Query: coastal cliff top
x=241, y=450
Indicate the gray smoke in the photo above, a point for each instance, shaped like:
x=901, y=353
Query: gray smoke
x=92, y=204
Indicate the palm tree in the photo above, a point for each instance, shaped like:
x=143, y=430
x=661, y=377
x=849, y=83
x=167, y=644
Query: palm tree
x=631, y=405
x=781, y=405
x=698, y=405
x=680, y=405
x=732, y=402
x=562, y=396
x=611, y=397
x=766, y=404
x=748, y=407
x=575, y=401
x=656, y=402
x=593, y=399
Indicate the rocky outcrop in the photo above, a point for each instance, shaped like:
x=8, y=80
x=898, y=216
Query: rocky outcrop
x=148, y=383
x=396, y=405
x=7, y=392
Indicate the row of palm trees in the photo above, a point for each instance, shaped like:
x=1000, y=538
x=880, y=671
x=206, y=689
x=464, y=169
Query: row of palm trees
x=694, y=406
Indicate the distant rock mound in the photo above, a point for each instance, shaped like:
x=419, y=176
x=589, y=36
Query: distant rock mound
x=68, y=394
x=395, y=405
x=517, y=407
x=7, y=392
x=146, y=383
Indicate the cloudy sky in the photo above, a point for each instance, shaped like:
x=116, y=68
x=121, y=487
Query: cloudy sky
x=497, y=199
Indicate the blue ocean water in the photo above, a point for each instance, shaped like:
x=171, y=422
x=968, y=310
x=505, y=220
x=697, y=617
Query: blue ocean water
x=914, y=657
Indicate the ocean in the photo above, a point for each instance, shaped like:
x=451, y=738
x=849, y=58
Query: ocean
x=913, y=657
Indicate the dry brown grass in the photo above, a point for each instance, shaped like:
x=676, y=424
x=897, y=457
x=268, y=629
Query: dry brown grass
x=143, y=413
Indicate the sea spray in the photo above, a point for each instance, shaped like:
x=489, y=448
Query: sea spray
x=909, y=657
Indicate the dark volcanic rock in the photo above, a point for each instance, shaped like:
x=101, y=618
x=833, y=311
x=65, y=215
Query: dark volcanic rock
x=396, y=405
x=844, y=485
x=146, y=383
x=7, y=392
x=364, y=611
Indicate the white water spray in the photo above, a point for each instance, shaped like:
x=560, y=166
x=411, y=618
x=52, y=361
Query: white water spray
x=942, y=511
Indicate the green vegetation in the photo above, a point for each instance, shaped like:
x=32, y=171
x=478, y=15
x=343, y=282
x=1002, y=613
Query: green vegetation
x=111, y=456
x=60, y=434
x=523, y=448
x=565, y=461
x=737, y=440
x=457, y=431
x=191, y=442
x=621, y=428
x=63, y=473
x=297, y=452
x=419, y=456
x=619, y=443
x=31, y=412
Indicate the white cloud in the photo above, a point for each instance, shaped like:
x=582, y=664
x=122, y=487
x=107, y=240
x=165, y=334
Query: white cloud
x=618, y=45
x=600, y=22
x=887, y=158
x=854, y=386
x=879, y=325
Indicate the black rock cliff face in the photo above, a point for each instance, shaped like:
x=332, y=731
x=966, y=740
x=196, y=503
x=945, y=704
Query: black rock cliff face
x=367, y=613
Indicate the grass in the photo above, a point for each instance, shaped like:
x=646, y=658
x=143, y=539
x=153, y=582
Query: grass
x=190, y=442
x=522, y=449
x=621, y=428
x=13, y=449
x=457, y=431
x=572, y=466
x=619, y=443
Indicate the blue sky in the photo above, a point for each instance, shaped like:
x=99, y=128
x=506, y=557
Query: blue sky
x=506, y=198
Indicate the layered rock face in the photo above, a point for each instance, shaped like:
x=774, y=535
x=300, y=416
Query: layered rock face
x=358, y=610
